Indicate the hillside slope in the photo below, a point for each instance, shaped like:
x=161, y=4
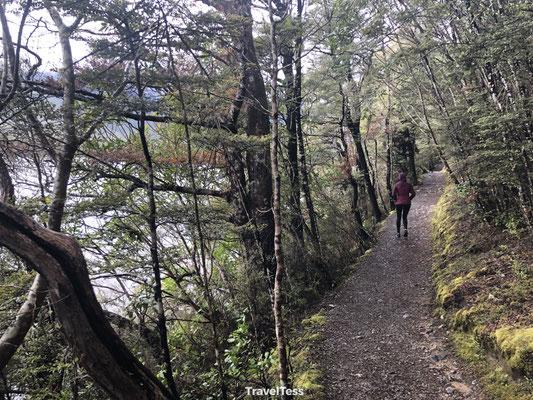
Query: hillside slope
x=484, y=282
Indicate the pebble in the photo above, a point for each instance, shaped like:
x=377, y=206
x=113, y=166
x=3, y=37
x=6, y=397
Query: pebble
x=437, y=357
x=455, y=379
x=449, y=390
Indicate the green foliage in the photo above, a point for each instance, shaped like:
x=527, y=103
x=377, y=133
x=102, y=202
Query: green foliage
x=242, y=362
x=45, y=368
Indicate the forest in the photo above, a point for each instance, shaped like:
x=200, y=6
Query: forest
x=182, y=181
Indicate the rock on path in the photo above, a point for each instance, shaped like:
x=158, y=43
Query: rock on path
x=381, y=340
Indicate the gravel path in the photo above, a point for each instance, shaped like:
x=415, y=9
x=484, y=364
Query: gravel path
x=381, y=340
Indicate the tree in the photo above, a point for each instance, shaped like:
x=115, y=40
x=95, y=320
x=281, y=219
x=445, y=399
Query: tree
x=276, y=189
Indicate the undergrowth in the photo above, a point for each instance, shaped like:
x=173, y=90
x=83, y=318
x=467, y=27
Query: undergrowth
x=483, y=278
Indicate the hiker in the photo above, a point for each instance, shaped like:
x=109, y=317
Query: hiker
x=403, y=192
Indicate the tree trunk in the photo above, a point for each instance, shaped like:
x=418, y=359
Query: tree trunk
x=354, y=127
x=255, y=193
x=258, y=161
x=7, y=190
x=299, y=132
x=347, y=169
x=388, y=139
x=14, y=336
x=60, y=260
x=276, y=181
x=293, y=108
x=152, y=225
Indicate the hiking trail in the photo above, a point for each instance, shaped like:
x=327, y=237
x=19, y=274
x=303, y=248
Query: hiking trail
x=382, y=341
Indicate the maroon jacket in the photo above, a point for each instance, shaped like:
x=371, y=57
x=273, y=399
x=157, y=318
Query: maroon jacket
x=403, y=190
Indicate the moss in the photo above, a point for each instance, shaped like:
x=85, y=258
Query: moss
x=308, y=381
x=501, y=386
x=484, y=290
x=450, y=294
x=467, y=347
x=316, y=337
x=494, y=378
x=300, y=358
x=517, y=346
x=466, y=318
x=306, y=375
x=315, y=320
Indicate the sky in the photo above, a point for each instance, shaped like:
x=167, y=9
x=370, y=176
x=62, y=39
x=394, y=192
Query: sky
x=39, y=34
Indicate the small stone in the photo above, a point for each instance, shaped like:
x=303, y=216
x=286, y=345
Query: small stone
x=455, y=378
x=437, y=357
x=405, y=316
x=449, y=390
x=381, y=301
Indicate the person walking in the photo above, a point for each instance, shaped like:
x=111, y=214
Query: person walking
x=403, y=192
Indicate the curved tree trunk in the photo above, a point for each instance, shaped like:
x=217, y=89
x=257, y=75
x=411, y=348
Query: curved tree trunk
x=60, y=261
x=62, y=268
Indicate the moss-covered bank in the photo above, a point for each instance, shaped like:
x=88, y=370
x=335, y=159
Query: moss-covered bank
x=483, y=279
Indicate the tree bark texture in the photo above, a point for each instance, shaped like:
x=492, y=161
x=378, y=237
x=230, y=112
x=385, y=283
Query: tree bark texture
x=255, y=211
x=347, y=169
x=258, y=125
x=15, y=334
x=7, y=190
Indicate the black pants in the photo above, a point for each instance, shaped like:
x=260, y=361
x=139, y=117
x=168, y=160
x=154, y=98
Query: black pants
x=401, y=213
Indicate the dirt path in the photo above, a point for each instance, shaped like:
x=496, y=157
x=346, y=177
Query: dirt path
x=382, y=342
